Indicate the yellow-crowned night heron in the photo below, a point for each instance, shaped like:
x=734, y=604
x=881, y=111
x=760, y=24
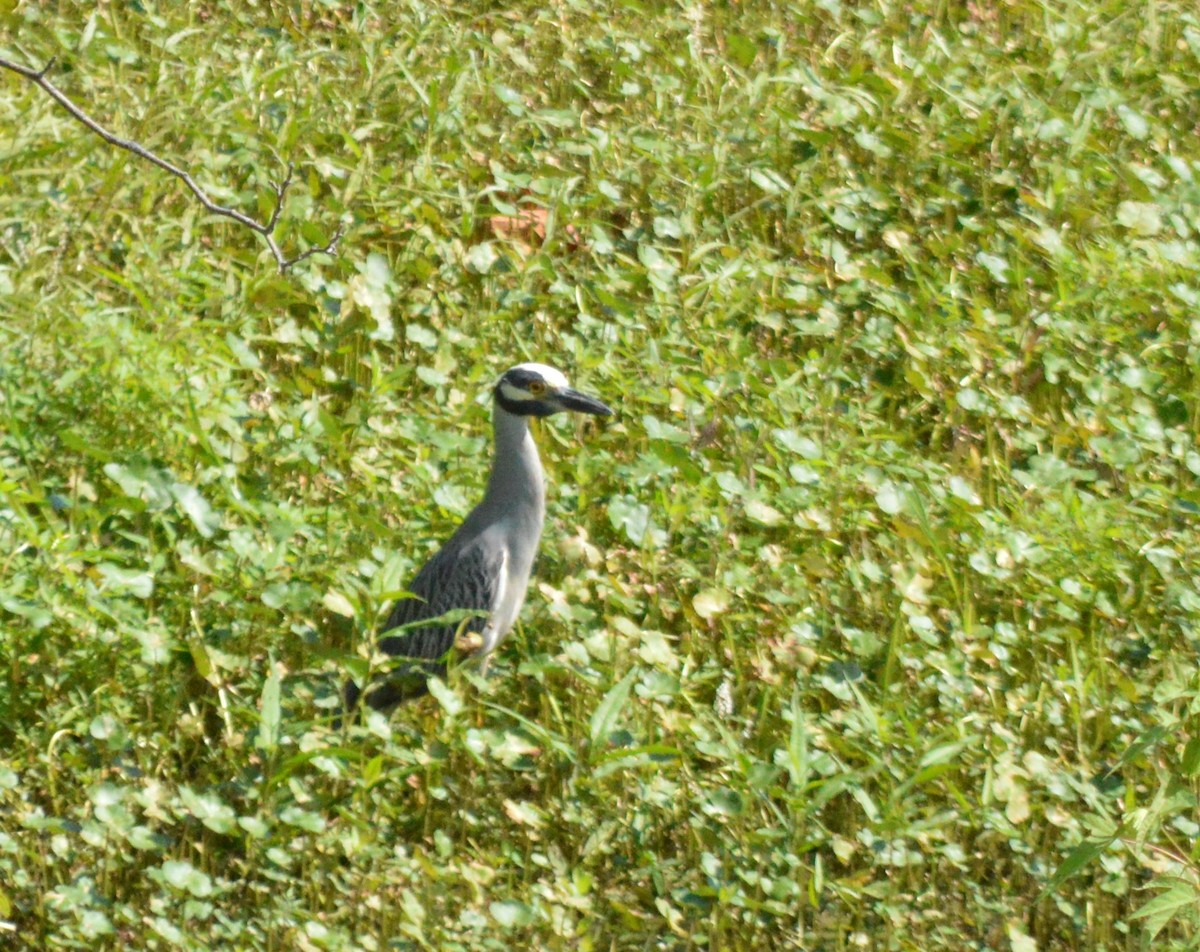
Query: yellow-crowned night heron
x=485, y=566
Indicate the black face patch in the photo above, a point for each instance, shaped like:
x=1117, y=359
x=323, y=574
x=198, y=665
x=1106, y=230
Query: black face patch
x=521, y=378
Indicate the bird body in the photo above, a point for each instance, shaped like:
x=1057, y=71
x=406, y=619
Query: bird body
x=485, y=565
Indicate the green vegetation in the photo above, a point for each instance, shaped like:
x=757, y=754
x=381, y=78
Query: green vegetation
x=870, y=621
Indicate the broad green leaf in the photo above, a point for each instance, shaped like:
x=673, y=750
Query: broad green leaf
x=442, y=693
x=186, y=878
x=120, y=580
x=605, y=716
x=1142, y=218
x=1180, y=899
x=1190, y=763
x=763, y=512
x=196, y=508
x=303, y=819
x=626, y=513
x=996, y=265
x=208, y=809
x=1133, y=121
x=511, y=914
x=711, y=602
x=481, y=258
x=1082, y=855
x=889, y=498
x=339, y=604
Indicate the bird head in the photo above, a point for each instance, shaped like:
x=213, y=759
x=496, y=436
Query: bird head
x=539, y=390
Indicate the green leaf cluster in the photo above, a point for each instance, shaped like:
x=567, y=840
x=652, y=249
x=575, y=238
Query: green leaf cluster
x=868, y=621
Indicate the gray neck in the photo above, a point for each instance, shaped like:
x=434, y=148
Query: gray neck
x=516, y=481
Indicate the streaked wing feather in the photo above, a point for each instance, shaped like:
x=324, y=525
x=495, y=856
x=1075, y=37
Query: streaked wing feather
x=459, y=578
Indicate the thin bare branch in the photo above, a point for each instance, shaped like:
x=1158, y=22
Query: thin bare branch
x=38, y=78
x=280, y=190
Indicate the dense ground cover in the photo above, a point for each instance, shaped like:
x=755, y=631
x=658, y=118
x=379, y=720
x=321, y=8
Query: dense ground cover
x=874, y=608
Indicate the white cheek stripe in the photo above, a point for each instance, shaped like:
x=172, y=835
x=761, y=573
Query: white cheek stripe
x=515, y=393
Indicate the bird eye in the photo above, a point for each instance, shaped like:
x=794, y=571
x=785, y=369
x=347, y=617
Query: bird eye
x=536, y=387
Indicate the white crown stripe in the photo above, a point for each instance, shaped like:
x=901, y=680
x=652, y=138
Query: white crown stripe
x=555, y=379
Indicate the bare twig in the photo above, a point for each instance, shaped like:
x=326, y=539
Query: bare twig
x=38, y=78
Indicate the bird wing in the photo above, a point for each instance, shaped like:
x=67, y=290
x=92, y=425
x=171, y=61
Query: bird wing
x=467, y=577
x=461, y=576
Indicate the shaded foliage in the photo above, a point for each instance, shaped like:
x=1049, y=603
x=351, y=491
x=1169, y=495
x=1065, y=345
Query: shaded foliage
x=869, y=622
